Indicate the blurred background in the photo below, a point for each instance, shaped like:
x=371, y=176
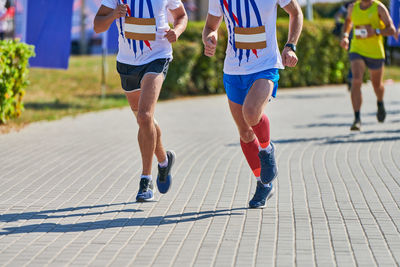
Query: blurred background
x=72, y=69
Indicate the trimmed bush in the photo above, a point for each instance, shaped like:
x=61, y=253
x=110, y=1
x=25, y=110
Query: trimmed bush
x=321, y=60
x=14, y=58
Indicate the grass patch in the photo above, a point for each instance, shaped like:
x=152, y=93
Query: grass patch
x=392, y=72
x=53, y=94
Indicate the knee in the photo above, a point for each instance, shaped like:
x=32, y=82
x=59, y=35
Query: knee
x=251, y=115
x=247, y=135
x=357, y=80
x=144, y=119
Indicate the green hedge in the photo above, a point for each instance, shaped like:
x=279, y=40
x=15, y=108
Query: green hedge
x=321, y=60
x=13, y=77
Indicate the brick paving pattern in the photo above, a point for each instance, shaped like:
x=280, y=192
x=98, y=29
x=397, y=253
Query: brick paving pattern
x=67, y=188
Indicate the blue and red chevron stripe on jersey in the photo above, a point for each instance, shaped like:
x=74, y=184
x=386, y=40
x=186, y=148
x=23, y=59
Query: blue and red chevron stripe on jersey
x=130, y=12
x=237, y=20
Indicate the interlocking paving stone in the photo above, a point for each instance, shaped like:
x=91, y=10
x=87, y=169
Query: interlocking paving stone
x=67, y=188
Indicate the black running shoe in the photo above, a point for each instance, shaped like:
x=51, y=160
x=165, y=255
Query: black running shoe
x=381, y=114
x=145, y=190
x=356, y=125
x=164, y=177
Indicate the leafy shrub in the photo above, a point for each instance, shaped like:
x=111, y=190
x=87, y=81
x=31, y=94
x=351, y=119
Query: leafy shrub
x=13, y=77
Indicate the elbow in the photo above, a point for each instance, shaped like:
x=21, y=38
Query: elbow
x=97, y=29
x=393, y=30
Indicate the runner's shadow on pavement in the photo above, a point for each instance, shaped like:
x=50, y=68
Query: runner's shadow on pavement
x=48, y=214
x=389, y=112
x=352, y=137
x=118, y=223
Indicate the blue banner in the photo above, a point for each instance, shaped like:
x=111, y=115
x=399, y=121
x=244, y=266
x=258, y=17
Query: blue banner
x=395, y=13
x=48, y=28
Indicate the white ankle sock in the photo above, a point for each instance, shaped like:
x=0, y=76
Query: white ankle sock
x=164, y=163
x=268, y=148
x=146, y=176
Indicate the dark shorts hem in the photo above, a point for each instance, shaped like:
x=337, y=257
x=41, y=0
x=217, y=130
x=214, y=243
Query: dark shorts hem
x=131, y=75
x=371, y=63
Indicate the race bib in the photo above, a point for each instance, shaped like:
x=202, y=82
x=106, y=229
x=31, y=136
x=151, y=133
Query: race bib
x=250, y=38
x=140, y=29
x=360, y=32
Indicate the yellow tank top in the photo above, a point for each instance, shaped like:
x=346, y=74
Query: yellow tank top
x=371, y=47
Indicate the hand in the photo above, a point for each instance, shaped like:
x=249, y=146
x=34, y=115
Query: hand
x=120, y=11
x=370, y=31
x=171, y=35
x=345, y=43
x=289, y=57
x=210, y=45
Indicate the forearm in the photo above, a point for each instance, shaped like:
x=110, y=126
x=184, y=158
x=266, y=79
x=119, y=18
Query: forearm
x=388, y=31
x=180, y=24
x=207, y=31
x=103, y=23
x=295, y=27
x=347, y=27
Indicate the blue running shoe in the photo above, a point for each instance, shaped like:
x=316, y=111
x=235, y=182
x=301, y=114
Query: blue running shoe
x=164, y=177
x=269, y=171
x=145, y=190
x=262, y=194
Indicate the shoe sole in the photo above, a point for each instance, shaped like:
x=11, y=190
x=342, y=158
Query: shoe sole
x=268, y=197
x=144, y=200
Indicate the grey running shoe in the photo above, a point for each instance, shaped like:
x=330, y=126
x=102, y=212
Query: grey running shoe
x=145, y=192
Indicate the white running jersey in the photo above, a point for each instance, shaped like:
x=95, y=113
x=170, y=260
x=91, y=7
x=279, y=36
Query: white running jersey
x=252, y=45
x=140, y=52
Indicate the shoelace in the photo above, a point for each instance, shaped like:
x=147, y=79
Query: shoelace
x=144, y=184
x=163, y=173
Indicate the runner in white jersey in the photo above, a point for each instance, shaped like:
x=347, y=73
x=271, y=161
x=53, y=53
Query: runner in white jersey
x=251, y=74
x=144, y=54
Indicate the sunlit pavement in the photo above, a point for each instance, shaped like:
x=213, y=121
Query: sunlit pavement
x=67, y=188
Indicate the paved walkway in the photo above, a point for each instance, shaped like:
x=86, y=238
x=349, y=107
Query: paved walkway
x=67, y=188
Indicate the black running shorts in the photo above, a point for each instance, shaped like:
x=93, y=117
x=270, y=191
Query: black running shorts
x=371, y=63
x=131, y=75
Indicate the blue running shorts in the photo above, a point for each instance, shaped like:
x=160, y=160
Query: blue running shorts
x=237, y=86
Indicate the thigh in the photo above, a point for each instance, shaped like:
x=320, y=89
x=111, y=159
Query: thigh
x=150, y=90
x=133, y=99
x=259, y=94
x=376, y=77
x=358, y=69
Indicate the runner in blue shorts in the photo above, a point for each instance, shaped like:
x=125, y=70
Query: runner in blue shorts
x=251, y=74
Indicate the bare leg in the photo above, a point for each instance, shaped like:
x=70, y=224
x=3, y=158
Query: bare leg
x=358, y=69
x=133, y=99
x=377, y=83
x=147, y=136
x=256, y=100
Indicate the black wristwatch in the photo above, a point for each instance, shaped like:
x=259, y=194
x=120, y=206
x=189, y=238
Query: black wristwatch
x=291, y=46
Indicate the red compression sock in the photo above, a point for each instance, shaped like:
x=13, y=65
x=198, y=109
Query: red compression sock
x=250, y=151
x=261, y=130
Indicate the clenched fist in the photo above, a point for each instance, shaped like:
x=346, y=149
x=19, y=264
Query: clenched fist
x=120, y=11
x=289, y=58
